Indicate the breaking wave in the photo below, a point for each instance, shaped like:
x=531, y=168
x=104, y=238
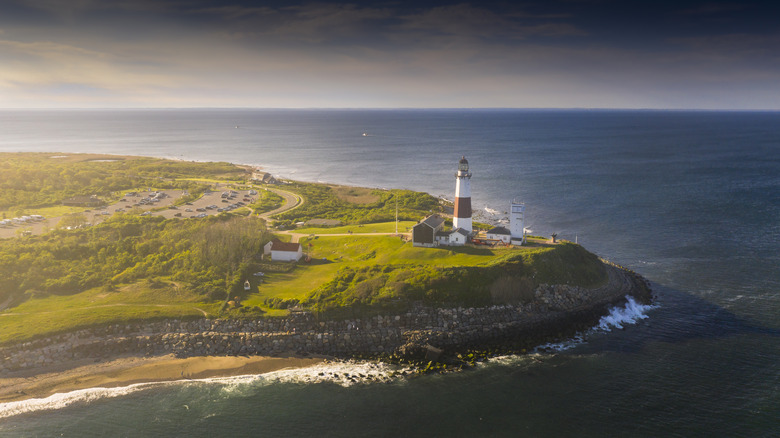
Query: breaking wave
x=628, y=314
x=344, y=373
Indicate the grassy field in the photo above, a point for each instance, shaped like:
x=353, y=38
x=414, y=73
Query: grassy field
x=329, y=254
x=53, y=314
x=381, y=227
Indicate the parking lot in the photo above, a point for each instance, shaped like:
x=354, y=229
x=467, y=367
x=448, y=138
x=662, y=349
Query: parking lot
x=209, y=204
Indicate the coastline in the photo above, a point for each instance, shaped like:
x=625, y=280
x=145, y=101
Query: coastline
x=114, y=356
x=84, y=374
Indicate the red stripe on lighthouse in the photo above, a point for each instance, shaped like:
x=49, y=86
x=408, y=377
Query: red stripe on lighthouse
x=463, y=207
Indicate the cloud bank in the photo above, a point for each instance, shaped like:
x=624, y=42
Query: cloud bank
x=591, y=54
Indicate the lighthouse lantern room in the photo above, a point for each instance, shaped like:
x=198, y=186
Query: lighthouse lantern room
x=462, y=214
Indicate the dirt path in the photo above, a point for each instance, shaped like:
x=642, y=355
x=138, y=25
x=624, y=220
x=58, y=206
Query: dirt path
x=100, y=306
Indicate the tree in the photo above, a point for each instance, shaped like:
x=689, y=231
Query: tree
x=72, y=220
x=230, y=244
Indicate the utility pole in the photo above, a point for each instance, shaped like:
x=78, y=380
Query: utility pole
x=396, y=215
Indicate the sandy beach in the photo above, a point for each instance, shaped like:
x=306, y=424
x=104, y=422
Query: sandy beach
x=130, y=370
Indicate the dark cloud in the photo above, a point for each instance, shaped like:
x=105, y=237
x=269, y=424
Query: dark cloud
x=424, y=53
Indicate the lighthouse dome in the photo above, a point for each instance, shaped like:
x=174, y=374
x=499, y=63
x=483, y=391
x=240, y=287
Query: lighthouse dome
x=463, y=164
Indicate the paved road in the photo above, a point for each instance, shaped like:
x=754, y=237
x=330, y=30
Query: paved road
x=291, y=201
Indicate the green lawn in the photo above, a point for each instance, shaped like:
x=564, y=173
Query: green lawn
x=93, y=307
x=381, y=227
x=330, y=254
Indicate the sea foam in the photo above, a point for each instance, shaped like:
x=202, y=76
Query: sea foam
x=628, y=314
x=59, y=401
x=344, y=373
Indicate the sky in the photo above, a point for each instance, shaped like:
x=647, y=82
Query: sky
x=683, y=54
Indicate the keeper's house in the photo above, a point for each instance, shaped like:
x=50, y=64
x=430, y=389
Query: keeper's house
x=499, y=233
x=456, y=237
x=424, y=233
x=283, y=251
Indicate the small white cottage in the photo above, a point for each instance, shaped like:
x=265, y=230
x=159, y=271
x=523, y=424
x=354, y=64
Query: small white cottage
x=283, y=251
x=499, y=233
x=456, y=237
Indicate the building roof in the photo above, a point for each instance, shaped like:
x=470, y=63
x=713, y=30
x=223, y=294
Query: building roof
x=461, y=231
x=499, y=230
x=278, y=245
x=433, y=221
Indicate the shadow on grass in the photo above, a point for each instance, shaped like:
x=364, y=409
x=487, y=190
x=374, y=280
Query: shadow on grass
x=316, y=262
x=470, y=250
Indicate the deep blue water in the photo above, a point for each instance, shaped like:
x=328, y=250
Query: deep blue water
x=691, y=200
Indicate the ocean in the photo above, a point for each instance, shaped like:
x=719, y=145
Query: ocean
x=689, y=199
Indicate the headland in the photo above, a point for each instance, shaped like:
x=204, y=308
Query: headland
x=363, y=290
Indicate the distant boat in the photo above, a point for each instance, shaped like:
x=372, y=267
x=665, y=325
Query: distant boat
x=365, y=135
x=236, y=126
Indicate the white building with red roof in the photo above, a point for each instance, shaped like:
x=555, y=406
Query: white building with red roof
x=283, y=251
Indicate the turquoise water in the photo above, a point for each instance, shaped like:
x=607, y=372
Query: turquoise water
x=691, y=200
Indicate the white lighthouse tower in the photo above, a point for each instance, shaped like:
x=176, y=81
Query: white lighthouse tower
x=462, y=215
x=516, y=222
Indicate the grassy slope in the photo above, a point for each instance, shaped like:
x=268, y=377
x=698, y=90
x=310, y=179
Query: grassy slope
x=95, y=306
x=456, y=275
x=359, y=251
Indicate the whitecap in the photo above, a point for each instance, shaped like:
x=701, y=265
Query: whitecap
x=344, y=373
x=59, y=401
x=628, y=314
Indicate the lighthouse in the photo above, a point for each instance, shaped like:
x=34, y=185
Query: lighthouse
x=462, y=215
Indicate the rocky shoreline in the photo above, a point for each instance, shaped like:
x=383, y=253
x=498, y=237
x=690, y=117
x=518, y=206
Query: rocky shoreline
x=422, y=333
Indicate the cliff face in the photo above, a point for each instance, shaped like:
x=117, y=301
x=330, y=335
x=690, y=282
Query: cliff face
x=556, y=311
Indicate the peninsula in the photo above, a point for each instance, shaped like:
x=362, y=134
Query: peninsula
x=133, y=261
